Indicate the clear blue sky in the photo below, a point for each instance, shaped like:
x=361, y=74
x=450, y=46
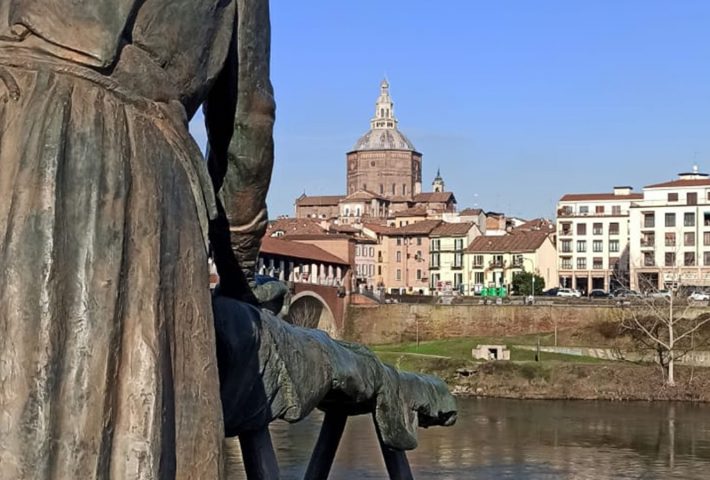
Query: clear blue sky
x=518, y=102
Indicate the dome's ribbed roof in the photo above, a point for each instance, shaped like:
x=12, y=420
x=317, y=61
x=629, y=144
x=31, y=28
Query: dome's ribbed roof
x=384, y=139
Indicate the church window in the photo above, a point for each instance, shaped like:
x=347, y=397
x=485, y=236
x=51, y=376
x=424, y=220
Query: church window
x=393, y=189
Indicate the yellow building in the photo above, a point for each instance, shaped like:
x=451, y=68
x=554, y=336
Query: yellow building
x=492, y=261
x=447, y=243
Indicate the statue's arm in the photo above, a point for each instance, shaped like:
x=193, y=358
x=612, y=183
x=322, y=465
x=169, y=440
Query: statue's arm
x=219, y=112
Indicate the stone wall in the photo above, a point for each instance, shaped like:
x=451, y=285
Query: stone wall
x=392, y=323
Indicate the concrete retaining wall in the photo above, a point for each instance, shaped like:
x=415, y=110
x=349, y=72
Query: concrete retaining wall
x=392, y=323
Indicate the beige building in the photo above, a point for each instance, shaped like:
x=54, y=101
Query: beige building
x=492, y=261
x=447, y=243
x=670, y=234
x=593, y=239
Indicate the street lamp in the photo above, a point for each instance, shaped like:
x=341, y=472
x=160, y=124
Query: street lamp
x=532, y=266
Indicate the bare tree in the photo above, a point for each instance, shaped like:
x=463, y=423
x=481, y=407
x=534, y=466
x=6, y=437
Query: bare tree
x=665, y=320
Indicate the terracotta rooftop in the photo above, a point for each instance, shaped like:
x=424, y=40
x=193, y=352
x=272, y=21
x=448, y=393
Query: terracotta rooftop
x=418, y=228
x=379, y=228
x=452, y=229
x=294, y=226
x=541, y=224
x=411, y=212
x=442, y=197
x=470, y=211
x=577, y=197
x=318, y=201
x=303, y=251
x=340, y=228
x=516, y=242
x=682, y=182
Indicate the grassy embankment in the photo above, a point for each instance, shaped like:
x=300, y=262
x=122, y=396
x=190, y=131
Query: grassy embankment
x=555, y=376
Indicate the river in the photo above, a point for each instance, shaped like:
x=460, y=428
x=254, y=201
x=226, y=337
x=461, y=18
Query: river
x=526, y=439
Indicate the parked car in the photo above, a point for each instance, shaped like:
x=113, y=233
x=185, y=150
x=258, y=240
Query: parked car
x=659, y=294
x=598, y=293
x=699, y=296
x=624, y=293
x=552, y=292
x=568, y=292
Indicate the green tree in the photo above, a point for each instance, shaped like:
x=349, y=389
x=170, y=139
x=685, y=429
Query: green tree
x=522, y=283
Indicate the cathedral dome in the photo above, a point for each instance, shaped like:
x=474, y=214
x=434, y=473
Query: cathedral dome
x=384, y=139
x=384, y=134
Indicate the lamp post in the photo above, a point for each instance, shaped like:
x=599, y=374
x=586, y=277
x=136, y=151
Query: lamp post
x=532, y=266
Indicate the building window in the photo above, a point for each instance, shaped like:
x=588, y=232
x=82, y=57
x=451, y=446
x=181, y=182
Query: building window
x=478, y=260
x=614, y=228
x=670, y=219
x=419, y=240
x=597, y=229
x=706, y=258
x=599, y=209
x=458, y=244
x=419, y=274
x=649, y=220
x=648, y=239
x=692, y=198
x=670, y=239
x=597, y=263
x=478, y=278
x=379, y=269
x=581, y=263
x=689, y=259
x=458, y=260
x=434, y=260
x=372, y=251
x=613, y=246
x=399, y=274
x=706, y=238
x=584, y=210
x=418, y=256
x=581, y=229
x=382, y=189
x=670, y=259
x=458, y=280
x=393, y=189
x=672, y=196
x=581, y=246
x=566, y=264
x=616, y=210
x=689, y=239
x=404, y=189
x=648, y=260
x=689, y=219
x=597, y=246
x=435, y=245
x=364, y=186
x=566, y=246
x=399, y=256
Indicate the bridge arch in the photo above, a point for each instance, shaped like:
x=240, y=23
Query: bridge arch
x=309, y=309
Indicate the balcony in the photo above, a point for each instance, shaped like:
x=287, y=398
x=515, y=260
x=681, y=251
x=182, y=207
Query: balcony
x=497, y=263
x=566, y=232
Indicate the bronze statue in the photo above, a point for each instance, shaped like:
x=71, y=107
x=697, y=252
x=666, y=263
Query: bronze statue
x=108, y=353
x=107, y=357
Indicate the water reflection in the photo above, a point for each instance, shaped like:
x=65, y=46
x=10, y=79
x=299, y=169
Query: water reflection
x=527, y=440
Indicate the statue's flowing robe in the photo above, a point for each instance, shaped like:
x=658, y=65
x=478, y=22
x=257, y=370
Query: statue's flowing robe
x=107, y=363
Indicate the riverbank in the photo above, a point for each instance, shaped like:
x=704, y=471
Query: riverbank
x=557, y=376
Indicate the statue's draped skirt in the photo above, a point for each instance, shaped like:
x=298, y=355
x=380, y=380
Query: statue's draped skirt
x=107, y=363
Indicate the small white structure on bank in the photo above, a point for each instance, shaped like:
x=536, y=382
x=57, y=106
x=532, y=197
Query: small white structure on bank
x=491, y=352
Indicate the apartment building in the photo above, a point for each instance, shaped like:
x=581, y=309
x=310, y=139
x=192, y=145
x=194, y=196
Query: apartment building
x=670, y=234
x=593, y=239
x=446, y=249
x=493, y=261
x=406, y=262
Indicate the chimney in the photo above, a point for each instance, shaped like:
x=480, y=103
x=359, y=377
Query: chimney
x=624, y=190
